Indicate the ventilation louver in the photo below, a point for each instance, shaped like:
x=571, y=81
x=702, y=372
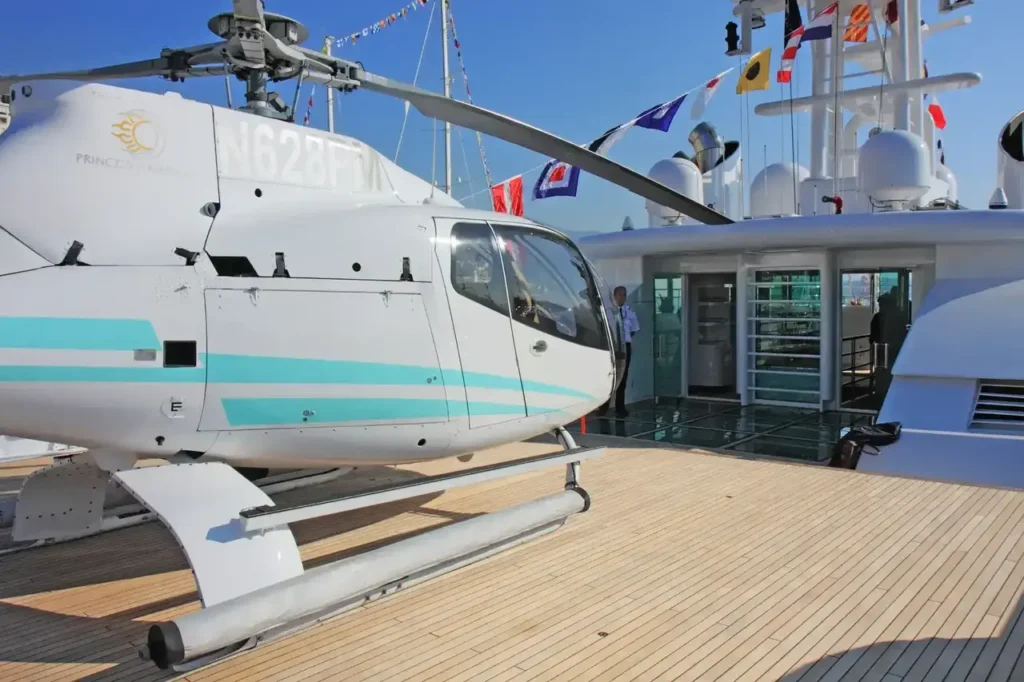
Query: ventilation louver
x=1000, y=405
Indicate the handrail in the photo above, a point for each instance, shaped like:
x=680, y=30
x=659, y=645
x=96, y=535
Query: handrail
x=852, y=375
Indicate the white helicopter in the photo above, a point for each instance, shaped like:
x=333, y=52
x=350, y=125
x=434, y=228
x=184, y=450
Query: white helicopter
x=262, y=296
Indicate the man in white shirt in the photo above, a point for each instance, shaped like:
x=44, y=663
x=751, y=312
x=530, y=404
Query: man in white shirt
x=625, y=326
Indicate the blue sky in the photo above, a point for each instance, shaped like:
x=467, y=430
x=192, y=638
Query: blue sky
x=573, y=67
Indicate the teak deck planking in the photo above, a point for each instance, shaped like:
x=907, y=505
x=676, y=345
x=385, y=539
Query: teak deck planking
x=689, y=566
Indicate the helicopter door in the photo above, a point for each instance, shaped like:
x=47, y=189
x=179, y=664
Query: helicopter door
x=560, y=335
x=483, y=330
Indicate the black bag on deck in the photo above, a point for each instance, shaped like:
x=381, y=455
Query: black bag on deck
x=847, y=451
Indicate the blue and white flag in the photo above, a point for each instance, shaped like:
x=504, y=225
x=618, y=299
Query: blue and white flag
x=660, y=117
x=820, y=28
x=559, y=179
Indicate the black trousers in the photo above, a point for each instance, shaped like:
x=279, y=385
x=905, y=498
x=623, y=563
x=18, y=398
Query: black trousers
x=620, y=392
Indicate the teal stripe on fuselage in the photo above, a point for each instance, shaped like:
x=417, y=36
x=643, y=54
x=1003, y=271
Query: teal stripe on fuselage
x=89, y=334
x=254, y=369
x=297, y=411
x=76, y=333
x=116, y=375
x=498, y=382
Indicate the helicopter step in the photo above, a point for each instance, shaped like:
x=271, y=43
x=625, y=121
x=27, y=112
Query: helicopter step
x=252, y=583
x=73, y=498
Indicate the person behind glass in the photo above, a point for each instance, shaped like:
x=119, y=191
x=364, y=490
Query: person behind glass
x=625, y=325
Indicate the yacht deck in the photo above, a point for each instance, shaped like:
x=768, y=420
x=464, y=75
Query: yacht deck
x=689, y=566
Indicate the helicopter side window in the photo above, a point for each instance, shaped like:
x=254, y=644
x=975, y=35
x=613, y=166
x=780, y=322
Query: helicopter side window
x=476, y=269
x=550, y=286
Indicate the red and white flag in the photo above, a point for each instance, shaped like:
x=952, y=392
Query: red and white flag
x=785, y=74
x=507, y=197
x=707, y=92
x=936, y=112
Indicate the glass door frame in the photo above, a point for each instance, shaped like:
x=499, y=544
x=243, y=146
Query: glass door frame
x=750, y=284
x=683, y=332
x=736, y=397
x=905, y=277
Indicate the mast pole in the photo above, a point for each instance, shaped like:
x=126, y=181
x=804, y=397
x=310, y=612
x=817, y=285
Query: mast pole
x=903, y=51
x=330, y=91
x=447, y=93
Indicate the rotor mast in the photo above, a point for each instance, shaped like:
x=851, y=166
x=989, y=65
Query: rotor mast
x=248, y=27
x=330, y=91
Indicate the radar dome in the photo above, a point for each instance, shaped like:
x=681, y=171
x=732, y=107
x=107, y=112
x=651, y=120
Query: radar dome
x=894, y=168
x=771, y=192
x=679, y=174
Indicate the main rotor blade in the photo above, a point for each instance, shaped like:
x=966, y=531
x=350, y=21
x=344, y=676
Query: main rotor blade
x=177, y=63
x=519, y=133
x=149, y=67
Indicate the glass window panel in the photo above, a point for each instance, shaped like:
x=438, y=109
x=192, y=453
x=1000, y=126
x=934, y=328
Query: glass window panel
x=476, y=269
x=808, y=328
x=785, y=397
x=786, y=346
x=784, y=363
x=550, y=285
x=797, y=310
x=785, y=382
x=785, y=312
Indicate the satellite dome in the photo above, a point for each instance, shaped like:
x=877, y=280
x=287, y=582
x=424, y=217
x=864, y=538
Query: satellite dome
x=1010, y=161
x=894, y=168
x=771, y=192
x=679, y=174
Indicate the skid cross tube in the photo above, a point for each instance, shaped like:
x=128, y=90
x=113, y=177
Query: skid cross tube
x=259, y=518
x=231, y=624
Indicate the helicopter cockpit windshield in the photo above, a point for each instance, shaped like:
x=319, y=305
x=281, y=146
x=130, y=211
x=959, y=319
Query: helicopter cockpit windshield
x=550, y=286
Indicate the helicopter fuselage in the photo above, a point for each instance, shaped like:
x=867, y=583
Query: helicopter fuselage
x=252, y=291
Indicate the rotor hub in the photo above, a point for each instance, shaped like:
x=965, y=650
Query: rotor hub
x=287, y=30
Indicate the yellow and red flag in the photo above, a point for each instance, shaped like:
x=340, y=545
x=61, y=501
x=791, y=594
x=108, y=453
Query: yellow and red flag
x=857, y=25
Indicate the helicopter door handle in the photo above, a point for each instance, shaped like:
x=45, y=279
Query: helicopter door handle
x=540, y=346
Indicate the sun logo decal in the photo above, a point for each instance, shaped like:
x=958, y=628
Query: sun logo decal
x=138, y=134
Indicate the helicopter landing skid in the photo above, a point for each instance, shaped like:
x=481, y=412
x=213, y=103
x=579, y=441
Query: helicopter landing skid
x=252, y=583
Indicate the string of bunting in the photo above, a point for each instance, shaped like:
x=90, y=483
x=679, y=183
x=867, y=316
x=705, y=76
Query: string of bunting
x=312, y=89
x=469, y=93
x=378, y=26
x=309, y=106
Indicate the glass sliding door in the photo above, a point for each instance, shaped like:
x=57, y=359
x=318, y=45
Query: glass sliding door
x=668, y=336
x=711, y=367
x=889, y=328
x=876, y=314
x=784, y=344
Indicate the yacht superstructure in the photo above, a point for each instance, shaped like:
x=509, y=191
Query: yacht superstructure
x=901, y=306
